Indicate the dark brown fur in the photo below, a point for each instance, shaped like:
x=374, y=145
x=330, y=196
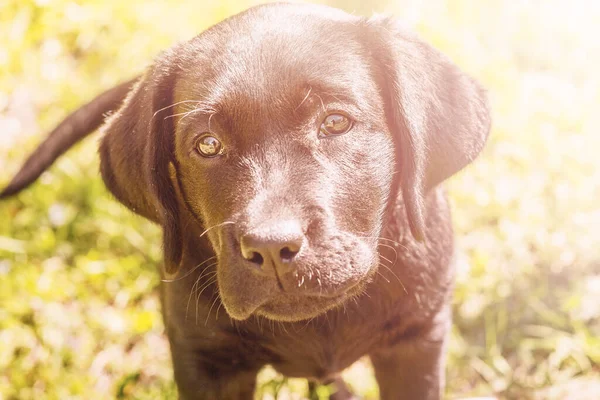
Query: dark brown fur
x=373, y=275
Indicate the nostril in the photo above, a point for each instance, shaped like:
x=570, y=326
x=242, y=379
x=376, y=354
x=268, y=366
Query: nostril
x=272, y=247
x=256, y=258
x=286, y=254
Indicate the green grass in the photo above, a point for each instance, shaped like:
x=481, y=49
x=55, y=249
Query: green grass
x=79, y=313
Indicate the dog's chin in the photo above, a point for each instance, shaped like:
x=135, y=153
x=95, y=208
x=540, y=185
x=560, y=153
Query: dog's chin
x=243, y=300
x=293, y=308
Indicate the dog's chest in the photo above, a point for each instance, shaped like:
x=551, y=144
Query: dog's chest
x=321, y=352
x=325, y=346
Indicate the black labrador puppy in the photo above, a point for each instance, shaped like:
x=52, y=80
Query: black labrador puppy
x=292, y=155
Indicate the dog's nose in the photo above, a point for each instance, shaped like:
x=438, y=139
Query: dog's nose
x=272, y=247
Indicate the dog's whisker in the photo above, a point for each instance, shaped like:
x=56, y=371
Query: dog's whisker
x=206, y=272
x=194, y=110
x=198, y=307
x=282, y=327
x=189, y=107
x=393, y=273
x=382, y=238
x=305, y=325
x=395, y=244
x=218, y=308
x=310, y=321
x=190, y=298
x=211, y=278
x=195, y=287
x=322, y=103
x=327, y=319
x=212, y=114
x=179, y=114
x=383, y=276
x=189, y=272
x=258, y=323
x=236, y=325
x=206, y=285
x=211, y=307
x=334, y=96
x=176, y=104
x=386, y=259
x=304, y=99
x=319, y=282
x=388, y=245
x=392, y=248
x=187, y=114
x=215, y=226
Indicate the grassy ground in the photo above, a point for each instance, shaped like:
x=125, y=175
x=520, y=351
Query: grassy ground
x=79, y=315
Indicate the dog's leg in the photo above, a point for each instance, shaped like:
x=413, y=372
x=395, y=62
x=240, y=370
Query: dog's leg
x=413, y=368
x=410, y=373
x=200, y=378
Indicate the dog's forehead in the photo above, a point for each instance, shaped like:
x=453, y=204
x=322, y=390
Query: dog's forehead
x=274, y=52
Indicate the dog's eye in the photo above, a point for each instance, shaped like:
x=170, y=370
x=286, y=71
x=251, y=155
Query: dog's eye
x=335, y=124
x=208, y=146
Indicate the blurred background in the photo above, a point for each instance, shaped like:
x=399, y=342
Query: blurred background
x=79, y=311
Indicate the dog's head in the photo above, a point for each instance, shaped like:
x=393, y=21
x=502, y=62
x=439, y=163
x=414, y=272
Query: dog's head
x=282, y=134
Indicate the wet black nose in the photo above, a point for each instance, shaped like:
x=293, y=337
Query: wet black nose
x=272, y=247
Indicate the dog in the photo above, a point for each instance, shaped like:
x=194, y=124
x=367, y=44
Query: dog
x=293, y=156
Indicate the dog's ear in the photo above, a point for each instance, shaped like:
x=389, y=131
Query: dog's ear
x=439, y=116
x=136, y=151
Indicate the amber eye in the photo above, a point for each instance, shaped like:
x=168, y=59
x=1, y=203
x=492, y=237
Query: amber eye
x=335, y=124
x=208, y=146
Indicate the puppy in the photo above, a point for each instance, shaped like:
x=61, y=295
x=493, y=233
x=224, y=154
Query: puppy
x=292, y=155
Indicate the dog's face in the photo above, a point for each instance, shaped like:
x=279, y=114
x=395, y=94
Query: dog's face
x=286, y=158
x=284, y=132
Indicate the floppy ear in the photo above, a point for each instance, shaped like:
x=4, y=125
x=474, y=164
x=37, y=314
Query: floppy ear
x=136, y=151
x=438, y=115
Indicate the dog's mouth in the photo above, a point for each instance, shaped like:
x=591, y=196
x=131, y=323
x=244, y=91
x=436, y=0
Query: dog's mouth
x=291, y=308
x=276, y=304
x=319, y=279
